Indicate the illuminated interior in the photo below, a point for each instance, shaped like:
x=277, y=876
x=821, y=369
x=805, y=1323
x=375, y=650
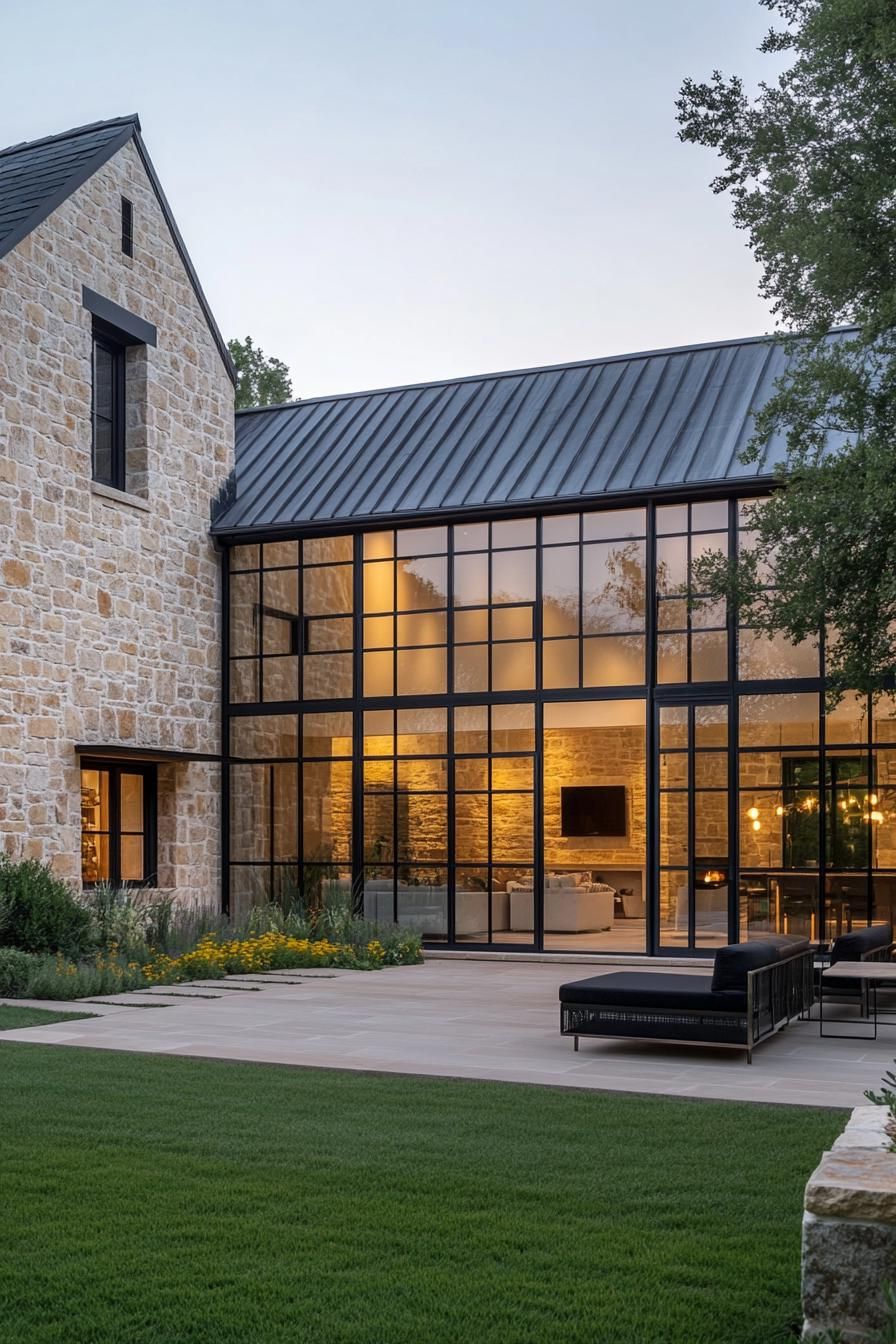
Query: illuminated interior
x=528, y=733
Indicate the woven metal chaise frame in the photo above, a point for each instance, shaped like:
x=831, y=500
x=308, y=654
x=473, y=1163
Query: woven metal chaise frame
x=776, y=995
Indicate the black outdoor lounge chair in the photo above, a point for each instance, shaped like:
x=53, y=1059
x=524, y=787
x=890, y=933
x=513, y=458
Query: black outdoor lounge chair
x=874, y=943
x=755, y=990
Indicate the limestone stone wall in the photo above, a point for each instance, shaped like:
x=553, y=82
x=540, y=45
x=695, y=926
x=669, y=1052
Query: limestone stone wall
x=849, y=1234
x=109, y=604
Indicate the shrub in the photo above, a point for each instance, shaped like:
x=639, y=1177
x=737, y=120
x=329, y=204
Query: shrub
x=16, y=970
x=38, y=912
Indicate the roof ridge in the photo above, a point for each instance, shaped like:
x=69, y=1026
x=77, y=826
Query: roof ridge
x=770, y=338
x=132, y=120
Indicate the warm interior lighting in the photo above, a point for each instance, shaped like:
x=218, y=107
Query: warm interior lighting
x=757, y=825
x=753, y=813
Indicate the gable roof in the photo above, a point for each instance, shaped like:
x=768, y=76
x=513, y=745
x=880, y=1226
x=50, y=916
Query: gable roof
x=38, y=175
x=624, y=425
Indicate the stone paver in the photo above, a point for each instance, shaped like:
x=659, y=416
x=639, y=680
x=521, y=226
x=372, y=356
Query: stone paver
x=466, y=1019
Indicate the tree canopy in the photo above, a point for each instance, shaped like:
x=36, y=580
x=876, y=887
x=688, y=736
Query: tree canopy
x=261, y=380
x=809, y=162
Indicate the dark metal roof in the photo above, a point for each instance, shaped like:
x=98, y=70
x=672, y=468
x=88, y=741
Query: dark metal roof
x=38, y=175
x=615, y=426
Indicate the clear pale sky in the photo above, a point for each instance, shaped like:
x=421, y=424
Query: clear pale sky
x=398, y=190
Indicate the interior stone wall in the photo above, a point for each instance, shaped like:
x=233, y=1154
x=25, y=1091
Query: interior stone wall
x=615, y=754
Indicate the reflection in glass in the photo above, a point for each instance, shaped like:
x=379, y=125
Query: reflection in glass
x=614, y=524
x=513, y=667
x=560, y=663
x=327, y=591
x=421, y=541
x=613, y=587
x=422, y=583
x=515, y=532
x=471, y=580
x=471, y=667
x=513, y=576
x=614, y=660
x=767, y=658
x=561, y=527
x=280, y=553
x=560, y=591
x=327, y=550
x=421, y=671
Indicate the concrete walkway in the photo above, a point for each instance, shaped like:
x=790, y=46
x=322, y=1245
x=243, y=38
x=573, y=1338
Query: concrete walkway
x=462, y=1019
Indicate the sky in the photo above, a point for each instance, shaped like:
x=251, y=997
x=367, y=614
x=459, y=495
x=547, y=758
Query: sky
x=389, y=191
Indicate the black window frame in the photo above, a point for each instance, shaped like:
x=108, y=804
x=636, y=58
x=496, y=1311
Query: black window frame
x=104, y=339
x=127, y=227
x=149, y=774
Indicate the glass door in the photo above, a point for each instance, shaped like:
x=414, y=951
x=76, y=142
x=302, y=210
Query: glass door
x=695, y=871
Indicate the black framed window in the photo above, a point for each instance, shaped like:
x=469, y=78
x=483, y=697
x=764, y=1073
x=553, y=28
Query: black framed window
x=118, y=824
x=127, y=227
x=109, y=411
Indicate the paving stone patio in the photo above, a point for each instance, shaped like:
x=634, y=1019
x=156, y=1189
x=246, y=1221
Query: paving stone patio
x=463, y=1019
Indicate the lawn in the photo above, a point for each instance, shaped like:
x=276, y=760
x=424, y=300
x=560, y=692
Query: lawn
x=12, y=1017
x=159, y=1200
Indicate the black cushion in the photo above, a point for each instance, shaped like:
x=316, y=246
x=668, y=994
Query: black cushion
x=653, y=989
x=732, y=963
x=788, y=944
x=853, y=946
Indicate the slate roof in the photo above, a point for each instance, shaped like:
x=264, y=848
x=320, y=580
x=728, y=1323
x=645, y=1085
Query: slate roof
x=623, y=425
x=38, y=175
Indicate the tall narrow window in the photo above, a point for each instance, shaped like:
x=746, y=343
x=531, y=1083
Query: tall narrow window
x=108, y=411
x=127, y=227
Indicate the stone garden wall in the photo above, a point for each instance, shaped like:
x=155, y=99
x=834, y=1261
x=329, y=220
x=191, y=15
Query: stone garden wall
x=849, y=1233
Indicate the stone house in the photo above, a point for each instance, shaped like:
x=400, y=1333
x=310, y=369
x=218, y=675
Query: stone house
x=116, y=429
x=445, y=627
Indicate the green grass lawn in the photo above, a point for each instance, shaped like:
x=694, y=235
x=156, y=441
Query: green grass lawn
x=157, y=1200
x=12, y=1017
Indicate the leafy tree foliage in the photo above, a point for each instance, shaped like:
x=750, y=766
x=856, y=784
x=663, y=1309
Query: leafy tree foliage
x=261, y=380
x=810, y=167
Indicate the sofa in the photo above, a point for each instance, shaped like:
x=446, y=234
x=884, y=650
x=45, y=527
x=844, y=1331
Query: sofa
x=425, y=908
x=755, y=990
x=572, y=904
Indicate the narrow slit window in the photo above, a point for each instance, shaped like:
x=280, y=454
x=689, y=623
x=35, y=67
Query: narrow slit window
x=127, y=227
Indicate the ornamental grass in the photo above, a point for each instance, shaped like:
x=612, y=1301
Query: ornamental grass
x=266, y=941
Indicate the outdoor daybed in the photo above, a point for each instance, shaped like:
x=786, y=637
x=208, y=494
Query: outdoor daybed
x=755, y=990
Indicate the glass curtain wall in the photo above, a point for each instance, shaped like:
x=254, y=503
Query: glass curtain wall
x=475, y=728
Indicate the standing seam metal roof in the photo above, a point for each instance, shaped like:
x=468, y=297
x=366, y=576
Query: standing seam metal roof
x=627, y=423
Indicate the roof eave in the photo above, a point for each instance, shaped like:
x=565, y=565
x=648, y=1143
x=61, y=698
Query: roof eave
x=739, y=485
x=185, y=258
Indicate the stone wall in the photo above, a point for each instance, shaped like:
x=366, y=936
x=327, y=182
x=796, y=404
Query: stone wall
x=109, y=603
x=849, y=1234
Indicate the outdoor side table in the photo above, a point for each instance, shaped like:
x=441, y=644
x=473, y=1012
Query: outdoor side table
x=869, y=975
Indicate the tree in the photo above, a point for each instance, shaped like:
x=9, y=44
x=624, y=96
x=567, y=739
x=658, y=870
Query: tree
x=261, y=381
x=810, y=166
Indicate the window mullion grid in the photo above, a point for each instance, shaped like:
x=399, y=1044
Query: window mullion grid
x=580, y=602
x=395, y=797
x=692, y=825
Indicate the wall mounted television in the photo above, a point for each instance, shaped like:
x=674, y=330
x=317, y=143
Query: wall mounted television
x=593, y=810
